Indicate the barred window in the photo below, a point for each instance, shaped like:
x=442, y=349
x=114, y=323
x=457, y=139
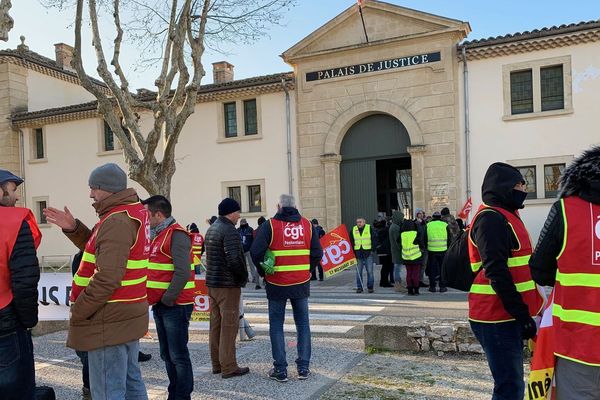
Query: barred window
x=552, y=174
x=230, y=120
x=250, y=121
x=552, y=88
x=521, y=92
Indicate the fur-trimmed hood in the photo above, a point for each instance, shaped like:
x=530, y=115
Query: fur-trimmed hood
x=582, y=177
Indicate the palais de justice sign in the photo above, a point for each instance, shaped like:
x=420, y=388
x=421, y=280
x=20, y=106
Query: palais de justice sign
x=373, y=66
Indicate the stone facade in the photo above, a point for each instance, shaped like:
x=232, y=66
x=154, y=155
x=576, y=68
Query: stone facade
x=424, y=98
x=13, y=97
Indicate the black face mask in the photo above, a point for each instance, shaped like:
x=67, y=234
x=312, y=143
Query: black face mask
x=518, y=198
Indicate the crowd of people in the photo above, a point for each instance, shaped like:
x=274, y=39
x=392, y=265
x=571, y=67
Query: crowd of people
x=137, y=255
x=413, y=248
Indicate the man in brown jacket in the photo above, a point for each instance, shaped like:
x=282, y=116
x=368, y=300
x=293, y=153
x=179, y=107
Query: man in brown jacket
x=109, y=311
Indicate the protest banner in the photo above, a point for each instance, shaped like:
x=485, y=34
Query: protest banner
x=337, y=252
x=53, y=296
x=201, y=310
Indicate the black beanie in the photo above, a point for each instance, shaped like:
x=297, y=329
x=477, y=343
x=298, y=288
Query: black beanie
x=228, y=206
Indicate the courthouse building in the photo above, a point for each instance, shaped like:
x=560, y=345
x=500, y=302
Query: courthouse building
x=411, y=118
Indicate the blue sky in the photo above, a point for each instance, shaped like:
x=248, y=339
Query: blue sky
x=42, y=28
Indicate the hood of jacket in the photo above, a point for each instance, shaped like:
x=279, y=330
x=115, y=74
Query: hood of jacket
x=288, y=214
x=397, y=217
x=582, y=177
x=498, y=184
x=126, y=196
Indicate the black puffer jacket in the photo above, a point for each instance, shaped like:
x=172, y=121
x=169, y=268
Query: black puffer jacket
x=225, y=262
x=581, y=179
x=22, y=312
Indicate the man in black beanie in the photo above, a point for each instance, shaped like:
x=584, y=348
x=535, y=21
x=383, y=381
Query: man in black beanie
x=226, y=274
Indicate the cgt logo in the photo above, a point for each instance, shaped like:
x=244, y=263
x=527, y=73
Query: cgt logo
x=293, y=232
x=335, y=252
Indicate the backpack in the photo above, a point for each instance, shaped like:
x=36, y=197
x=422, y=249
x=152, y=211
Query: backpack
x=456, y=267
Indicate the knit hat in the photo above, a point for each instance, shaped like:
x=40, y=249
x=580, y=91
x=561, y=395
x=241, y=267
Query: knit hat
x=445, y=211
x=314, y=221
x=228, y=206
x=108, y=177
x=437, y=215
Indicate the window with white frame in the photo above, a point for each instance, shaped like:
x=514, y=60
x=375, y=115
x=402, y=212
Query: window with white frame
x=537, y=88
x=542, y=176
x=240, y=119
x=249, y=194
x=38, y=144
x=38, y=210
x=108, y=139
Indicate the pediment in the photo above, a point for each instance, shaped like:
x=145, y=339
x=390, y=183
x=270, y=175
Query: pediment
x=383, y=22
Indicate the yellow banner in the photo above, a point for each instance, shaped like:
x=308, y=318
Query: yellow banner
x=540, y=382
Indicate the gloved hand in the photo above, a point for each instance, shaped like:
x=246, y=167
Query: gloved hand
x=268, y=265
x=528, y=328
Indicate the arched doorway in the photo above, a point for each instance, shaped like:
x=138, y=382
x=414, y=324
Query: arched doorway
x=375, y=171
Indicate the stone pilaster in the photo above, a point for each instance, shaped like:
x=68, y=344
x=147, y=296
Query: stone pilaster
x=333, y=209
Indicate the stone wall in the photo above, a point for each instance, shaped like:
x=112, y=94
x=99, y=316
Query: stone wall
x=13, y=97
x=385, y=333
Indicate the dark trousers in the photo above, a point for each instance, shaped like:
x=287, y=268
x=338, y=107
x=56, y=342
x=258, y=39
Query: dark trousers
x=224, y=326
x=17, y=373
x=503, y=347
x=313, y=271
x=387, y=270
x=172, y=325
x=85, y=369
x=434, y=268
x=413, y=272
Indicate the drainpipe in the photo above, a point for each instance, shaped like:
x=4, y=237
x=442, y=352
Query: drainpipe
x=467, y=128
x=22, y=162
x=289, y=134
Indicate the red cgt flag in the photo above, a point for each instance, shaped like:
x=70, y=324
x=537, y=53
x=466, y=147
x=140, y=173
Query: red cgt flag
x=466, y=209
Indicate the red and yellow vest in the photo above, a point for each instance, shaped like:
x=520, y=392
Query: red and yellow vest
x=484, y=303
x=290, y=244
x=161, y=269
x=12, y=218
x=576, y=311
x=197, y=243
x=133, y=284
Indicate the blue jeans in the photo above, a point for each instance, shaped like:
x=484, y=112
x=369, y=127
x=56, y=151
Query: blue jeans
x=172, y=325
x=503, y=347
x=276, y=318
x=397, y=273
x=362, y=263
x=115, y=373
x=17, y=373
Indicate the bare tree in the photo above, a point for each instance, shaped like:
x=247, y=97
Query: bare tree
x=180, y=29
x=6, y=22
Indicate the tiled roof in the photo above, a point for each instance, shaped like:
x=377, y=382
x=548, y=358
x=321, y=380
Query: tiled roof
x=205, y=93
x=534, y=34
x=36, y=58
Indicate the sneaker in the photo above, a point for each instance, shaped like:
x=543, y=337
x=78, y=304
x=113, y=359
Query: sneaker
x=371, y=290
x=279, y=376
x=257, y=287
x=432, y=289
x=303, y=374
x=443, y=290
x=143, y=357
x=359, y=290
x=423, y=284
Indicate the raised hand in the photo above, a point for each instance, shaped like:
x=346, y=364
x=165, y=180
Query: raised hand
x=63, y=219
